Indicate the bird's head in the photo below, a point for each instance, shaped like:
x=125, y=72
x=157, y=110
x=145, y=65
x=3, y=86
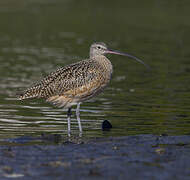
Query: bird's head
x=100, y=48
x=97, y=49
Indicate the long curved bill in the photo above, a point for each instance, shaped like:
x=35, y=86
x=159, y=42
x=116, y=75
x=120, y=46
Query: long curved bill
x=128, y=55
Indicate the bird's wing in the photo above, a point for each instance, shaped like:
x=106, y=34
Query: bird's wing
x=66, y=80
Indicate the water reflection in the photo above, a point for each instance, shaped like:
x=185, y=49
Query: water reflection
x=42, y=37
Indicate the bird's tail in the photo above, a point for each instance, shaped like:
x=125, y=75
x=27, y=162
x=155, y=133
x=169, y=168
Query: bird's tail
x=32, y=92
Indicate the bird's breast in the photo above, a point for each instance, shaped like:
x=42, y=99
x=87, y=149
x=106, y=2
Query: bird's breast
x=104, y=65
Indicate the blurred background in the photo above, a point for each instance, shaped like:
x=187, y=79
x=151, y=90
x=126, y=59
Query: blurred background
x=39, y=36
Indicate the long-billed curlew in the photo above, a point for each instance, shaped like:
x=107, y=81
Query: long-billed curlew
x=75, y=83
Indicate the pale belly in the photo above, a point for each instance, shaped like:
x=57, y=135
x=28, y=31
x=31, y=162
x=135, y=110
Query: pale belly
x=77, y=95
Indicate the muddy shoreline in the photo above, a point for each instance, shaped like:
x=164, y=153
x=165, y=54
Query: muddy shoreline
x=130, y=157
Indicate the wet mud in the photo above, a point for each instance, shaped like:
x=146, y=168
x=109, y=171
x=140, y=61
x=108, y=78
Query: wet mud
x=131, y=157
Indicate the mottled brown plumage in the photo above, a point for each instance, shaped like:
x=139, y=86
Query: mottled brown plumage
x=75, y=83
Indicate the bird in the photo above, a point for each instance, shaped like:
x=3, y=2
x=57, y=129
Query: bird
x=75, y=83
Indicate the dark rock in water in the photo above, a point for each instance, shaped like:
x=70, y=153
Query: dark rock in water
x=106, y=125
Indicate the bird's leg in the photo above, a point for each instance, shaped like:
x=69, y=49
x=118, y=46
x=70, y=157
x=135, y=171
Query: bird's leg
x=69, y=121
x=78, y=119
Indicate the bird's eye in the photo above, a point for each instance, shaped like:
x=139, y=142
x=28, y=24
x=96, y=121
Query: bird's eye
x=99, y=47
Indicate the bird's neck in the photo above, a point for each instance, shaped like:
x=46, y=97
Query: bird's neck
x=104, y=61
x=100, y=59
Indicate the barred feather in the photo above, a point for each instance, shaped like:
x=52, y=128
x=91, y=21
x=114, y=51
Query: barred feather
x=79, y=80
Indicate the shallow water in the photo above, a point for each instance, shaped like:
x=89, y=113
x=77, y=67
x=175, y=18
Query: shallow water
x=37, y=37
